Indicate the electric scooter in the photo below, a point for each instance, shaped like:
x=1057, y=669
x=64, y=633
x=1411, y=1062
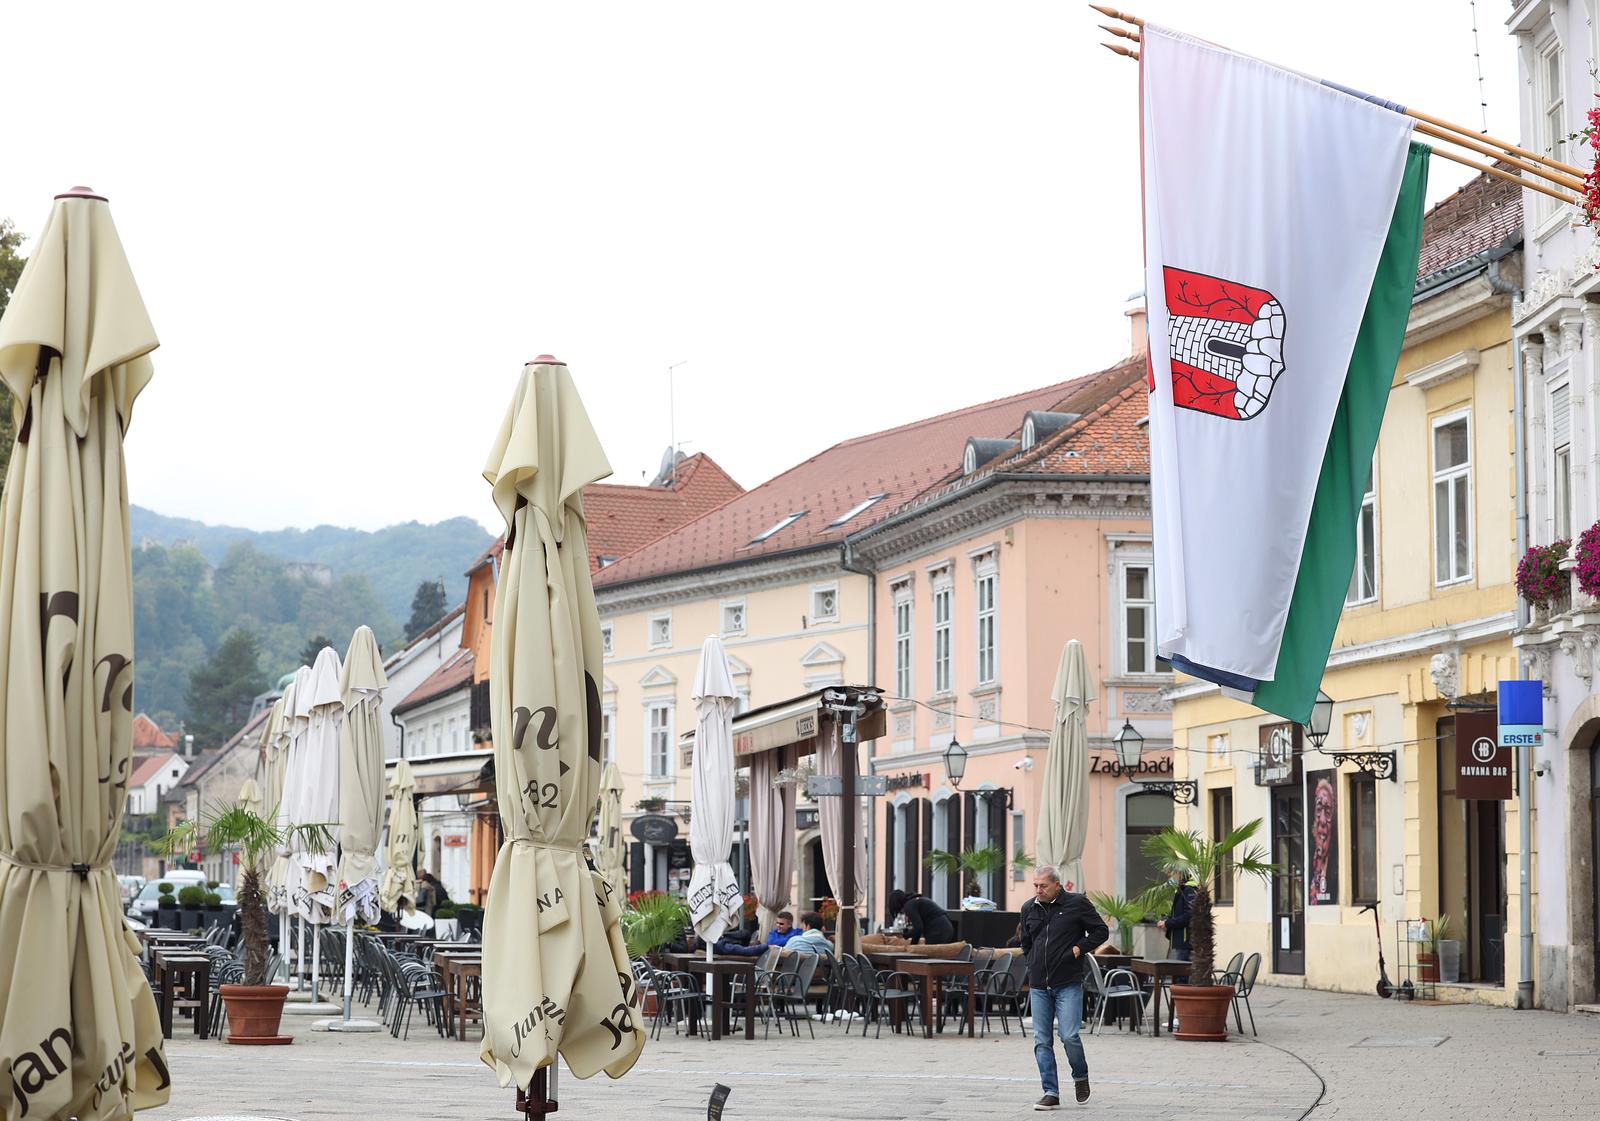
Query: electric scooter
x=1385, y=989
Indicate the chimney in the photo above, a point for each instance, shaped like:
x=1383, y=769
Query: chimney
x=188, y=747
x=1135, y=311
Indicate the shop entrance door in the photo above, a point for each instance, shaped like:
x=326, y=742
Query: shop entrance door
x=1289, y=883
x=1472, y=864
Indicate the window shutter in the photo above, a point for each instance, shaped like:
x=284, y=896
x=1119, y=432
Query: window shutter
x=913, y=837
x=1561, y=416
x=889, y=878
x=953, y=843
x=636, y=866
x=926, y=809
x=997, y=838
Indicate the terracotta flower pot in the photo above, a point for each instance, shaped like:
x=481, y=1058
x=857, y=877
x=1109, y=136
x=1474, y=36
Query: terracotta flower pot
x=1428, y=966
x=254, y=1012
x=1202, y=1011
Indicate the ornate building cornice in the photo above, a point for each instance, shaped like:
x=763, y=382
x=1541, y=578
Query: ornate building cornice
x=820, y=563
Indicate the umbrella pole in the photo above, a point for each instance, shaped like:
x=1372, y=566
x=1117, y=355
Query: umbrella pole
x=349, y=976
x=536, y=1101
x=299, y=951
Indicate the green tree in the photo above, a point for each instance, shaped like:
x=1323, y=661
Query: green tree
x=220, y=691
x=427, y=607
x=11, y=263
x=308, y=653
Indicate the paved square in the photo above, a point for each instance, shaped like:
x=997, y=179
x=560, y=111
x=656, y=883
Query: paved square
x=1379, y=1059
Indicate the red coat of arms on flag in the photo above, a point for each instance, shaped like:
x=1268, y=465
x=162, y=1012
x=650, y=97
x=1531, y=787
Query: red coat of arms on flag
x=1227, y=344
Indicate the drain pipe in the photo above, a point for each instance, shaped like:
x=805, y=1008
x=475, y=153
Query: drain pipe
x=848, y=562
x=1499, y=283
x=395, y=720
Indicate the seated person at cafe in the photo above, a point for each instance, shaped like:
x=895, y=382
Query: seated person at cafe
x=782, y=930
x=810, y=940
x=926, y=921
x=729, y=948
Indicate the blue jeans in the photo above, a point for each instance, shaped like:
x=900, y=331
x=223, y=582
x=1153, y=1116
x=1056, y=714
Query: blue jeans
x=1062, y=1009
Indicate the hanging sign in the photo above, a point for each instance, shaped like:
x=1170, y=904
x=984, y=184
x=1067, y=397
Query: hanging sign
x=1483, y=767
x=654, y=829
x=1520, y=713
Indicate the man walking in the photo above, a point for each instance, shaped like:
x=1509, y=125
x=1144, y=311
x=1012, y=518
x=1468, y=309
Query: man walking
x=1058, y=928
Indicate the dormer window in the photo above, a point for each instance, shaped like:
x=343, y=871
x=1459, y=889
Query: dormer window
x=981, y=451
x=1028, y=438
x=777, y=527
x=969, y=460
x=1039, y=425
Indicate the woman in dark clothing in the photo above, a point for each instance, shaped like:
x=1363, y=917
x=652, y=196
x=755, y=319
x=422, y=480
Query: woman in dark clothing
x=926, y=921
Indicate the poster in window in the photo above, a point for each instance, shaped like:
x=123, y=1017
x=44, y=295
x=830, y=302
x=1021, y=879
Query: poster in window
x=1322, y=791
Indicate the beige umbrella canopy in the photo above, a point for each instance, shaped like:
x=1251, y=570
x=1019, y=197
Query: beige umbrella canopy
x=1064, y=800
x=362, y=683
x=610, y=832
x=286, y=736
x=78, y=1027
x=399, y=878
x=555, y=974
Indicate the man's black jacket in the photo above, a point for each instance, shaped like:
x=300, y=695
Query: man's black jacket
x=1050, y=931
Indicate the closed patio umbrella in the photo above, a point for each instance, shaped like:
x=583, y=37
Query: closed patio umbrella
x=79, y=1034
x=610, y=832
x=280, y=749
x=771, y=833
x=399, y=886
x=555, y=972
x=314, y=779
x=1064, y=802
x=830, y=816
x=714, y=900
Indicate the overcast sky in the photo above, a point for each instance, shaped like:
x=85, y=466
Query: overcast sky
x=352, y=224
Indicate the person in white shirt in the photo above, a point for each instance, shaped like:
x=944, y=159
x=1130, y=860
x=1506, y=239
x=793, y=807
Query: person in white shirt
x=810, y=940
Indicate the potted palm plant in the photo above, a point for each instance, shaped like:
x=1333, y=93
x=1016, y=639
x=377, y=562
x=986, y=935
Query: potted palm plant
x=1203, y=1007
x=255, y=1007
x=974, y=864
x=1129, y=913
x=1428, y=960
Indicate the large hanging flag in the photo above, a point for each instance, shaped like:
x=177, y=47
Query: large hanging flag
x=1283, y=217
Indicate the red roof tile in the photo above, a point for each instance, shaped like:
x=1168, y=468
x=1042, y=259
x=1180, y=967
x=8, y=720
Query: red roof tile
x=621, y=519
x=150, y=767
x=1481, y=215
x=895, y=464
x=456, y=673
x=148, y=736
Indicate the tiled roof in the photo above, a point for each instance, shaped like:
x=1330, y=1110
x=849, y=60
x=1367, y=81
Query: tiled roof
x=1108, y=438
x=148, y=736
x=456, y=673
x=1481, y=215
x=149, y=768
x=450, y=616
x=621, y=519
x=897, y=464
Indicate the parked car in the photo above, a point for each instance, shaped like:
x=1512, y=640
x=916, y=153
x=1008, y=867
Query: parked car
x=131, y=886
x=145, y=904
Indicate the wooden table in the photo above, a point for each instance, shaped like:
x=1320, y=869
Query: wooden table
x=171, y=965
x=1160, y=972
x=890, y=959
x=933, y=970
x=720, y=973
x=454, y=971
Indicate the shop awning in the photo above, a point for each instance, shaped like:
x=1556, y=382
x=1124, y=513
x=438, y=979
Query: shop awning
x=795, y=721
x=463, y=772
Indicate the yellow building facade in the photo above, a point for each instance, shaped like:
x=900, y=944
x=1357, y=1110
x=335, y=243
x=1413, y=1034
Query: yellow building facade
x=1373, y=819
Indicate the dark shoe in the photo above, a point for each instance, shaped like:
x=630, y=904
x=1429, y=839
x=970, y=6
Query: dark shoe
x=1049, y=1101
x=1082, y=1088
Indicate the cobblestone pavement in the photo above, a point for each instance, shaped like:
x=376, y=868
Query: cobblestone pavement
x=1319, y=1055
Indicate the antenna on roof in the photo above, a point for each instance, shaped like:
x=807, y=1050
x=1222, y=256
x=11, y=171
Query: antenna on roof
x=672, y=420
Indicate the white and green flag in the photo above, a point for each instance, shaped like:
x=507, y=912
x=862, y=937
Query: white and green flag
x=1283, y=217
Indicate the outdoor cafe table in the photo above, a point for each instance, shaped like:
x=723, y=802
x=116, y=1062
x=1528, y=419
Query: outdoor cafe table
x=719, y=974
x=454, y=971
x=1160, y=972
x=933, y=970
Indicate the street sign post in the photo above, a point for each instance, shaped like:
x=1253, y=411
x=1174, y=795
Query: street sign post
x=832, y=786
x=1521, y=729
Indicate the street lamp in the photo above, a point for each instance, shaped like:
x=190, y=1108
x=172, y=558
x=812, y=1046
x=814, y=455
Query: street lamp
x=1130, y=746
x=1321, y=720
x=955, y=762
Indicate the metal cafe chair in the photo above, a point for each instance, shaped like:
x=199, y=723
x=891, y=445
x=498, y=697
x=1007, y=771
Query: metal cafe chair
x=1119, y=984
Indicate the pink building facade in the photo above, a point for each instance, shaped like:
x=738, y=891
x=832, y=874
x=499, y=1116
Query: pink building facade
x=977, y=585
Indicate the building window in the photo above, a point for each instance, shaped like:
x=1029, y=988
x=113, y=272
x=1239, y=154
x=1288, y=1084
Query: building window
x=733, y=618
x=1221, y=826
x=902, y=640
x=1452, y=499
x=1138, y=620
x=1552, y=92
x=605, y=640
x=1364, y=577
x=943, y=597
x=824, y=603
x=988, y=619
x=658, y=750
x=741, y=699
x=608, y=745
x=1561, y=459
x=1146, y=815
x=857, y=510
x=1217, y=747
x=778, y=526
x=969, y=460
x=660, y=630
x=1364, y=838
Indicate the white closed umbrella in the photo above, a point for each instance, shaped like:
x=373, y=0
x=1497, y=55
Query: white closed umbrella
x=609, y=857
x=290, y=739
x=714, y=901
x=1064, y=803
x=399, y=886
